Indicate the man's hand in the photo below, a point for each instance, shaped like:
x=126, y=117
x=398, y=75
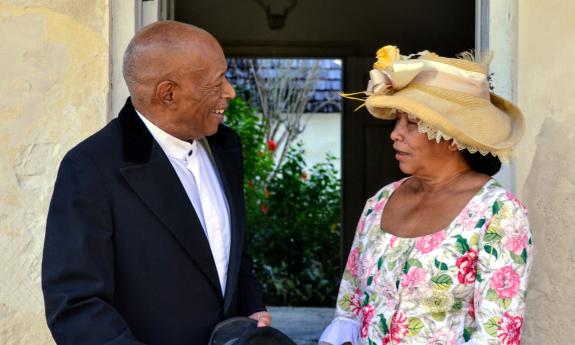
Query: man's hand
x=263, y=318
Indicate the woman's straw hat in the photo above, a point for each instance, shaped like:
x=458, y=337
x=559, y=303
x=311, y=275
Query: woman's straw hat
x=451, y=98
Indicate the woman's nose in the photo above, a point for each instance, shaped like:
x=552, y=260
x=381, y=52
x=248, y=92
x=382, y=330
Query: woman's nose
x=396, y=134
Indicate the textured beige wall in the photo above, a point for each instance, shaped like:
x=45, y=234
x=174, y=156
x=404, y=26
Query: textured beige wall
x=546, y=163
x=54, y=85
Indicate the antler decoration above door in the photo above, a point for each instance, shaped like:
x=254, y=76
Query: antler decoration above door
x=276, y=21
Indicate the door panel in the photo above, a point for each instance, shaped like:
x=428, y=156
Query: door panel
x=368, y=159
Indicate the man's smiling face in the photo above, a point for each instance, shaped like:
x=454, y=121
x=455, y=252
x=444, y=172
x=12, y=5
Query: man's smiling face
x=202, y=94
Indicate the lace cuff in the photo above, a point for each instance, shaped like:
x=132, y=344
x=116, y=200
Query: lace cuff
x=339, y=331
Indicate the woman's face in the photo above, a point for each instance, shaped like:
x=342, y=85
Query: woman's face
x=414, y=151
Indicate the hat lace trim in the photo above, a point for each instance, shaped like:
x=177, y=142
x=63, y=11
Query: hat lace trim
x=433, y=133
x=437, y=135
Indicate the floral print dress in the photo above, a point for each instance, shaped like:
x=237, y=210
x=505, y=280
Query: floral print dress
x=464, y=284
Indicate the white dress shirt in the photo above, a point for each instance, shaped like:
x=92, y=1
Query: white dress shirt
x=204, y=189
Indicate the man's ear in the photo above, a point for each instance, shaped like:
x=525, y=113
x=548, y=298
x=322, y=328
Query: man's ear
x=165, y=93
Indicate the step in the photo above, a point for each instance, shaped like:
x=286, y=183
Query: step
x=303, y=324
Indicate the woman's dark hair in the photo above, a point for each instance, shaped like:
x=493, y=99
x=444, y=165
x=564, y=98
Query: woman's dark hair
x=488, y=165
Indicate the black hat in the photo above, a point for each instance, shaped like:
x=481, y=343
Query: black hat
x=244, y=331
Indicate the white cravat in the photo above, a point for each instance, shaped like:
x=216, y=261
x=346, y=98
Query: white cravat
x=203, y=187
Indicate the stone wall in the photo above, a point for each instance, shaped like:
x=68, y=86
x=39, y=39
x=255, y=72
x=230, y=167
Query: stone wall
x=545, y=165
x=54, y=89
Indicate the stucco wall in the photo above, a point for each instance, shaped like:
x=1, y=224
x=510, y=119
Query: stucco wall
x=54, y=84
x=546, y=163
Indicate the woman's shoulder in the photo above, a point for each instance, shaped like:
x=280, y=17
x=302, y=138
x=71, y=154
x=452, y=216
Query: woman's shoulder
x=501, y=198
x=379, y=199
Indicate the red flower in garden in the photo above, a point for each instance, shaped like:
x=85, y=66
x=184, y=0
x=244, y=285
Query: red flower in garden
x=265, y=209
x=303, y=176
x=272, y=145
x=467, y=267
x=509, y=332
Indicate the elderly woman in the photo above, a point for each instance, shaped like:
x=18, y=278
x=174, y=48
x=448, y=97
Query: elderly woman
x=442, y=256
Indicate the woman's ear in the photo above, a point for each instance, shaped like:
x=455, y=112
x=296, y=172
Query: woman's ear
x=453, y=146
x=165, y=93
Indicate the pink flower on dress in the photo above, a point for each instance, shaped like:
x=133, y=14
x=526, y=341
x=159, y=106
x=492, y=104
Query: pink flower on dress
x=365, y=268
x=361, y=226
x=443, y=337
x=414, y=277
x=392, y=241
x=505, y=281
x=379, y=206
x=367, y=314
x=352, y=261
x=355, y=302
x=515, y=234
x=513, y=198
x=516, y=243
x=471, y=311
x=509, y=332
x=387, y=339
x=428, y=243
x=398, y=328
x=468, y=220
x=467, y=267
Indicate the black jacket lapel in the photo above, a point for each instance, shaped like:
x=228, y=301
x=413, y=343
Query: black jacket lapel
x=154, y=180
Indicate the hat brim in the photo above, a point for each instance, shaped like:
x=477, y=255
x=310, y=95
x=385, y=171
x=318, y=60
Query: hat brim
x=230, y=330
x=494, y=125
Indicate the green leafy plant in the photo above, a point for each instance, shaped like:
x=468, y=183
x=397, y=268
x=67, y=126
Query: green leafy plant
x=293, y=217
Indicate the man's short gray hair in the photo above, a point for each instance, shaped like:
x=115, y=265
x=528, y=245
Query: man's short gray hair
x=167, y=35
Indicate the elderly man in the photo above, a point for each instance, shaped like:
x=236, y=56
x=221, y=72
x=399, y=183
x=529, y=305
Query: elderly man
x=145, y=234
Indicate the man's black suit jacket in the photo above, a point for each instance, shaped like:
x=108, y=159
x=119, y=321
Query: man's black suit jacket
x=126, y=260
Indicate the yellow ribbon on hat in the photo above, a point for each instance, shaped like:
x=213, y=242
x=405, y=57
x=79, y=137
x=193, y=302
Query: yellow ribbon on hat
x=431, y=73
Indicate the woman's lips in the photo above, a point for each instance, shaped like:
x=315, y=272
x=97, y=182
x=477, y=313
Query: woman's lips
x=400, y=155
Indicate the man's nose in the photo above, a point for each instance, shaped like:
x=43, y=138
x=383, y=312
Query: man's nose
x=228, y=91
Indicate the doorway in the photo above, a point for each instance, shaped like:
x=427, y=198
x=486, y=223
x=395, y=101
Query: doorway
x=351, y=33
x=290, y=126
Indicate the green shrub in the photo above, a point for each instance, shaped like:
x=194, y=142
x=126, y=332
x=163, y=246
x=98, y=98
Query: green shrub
x=293, y=218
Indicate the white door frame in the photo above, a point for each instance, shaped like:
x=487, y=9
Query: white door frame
x=496, y=31
x=127, y=17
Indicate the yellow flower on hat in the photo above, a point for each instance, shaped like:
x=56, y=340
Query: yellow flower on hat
x=386, y=56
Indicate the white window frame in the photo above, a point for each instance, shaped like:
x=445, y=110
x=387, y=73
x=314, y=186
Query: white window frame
x=496, y=30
